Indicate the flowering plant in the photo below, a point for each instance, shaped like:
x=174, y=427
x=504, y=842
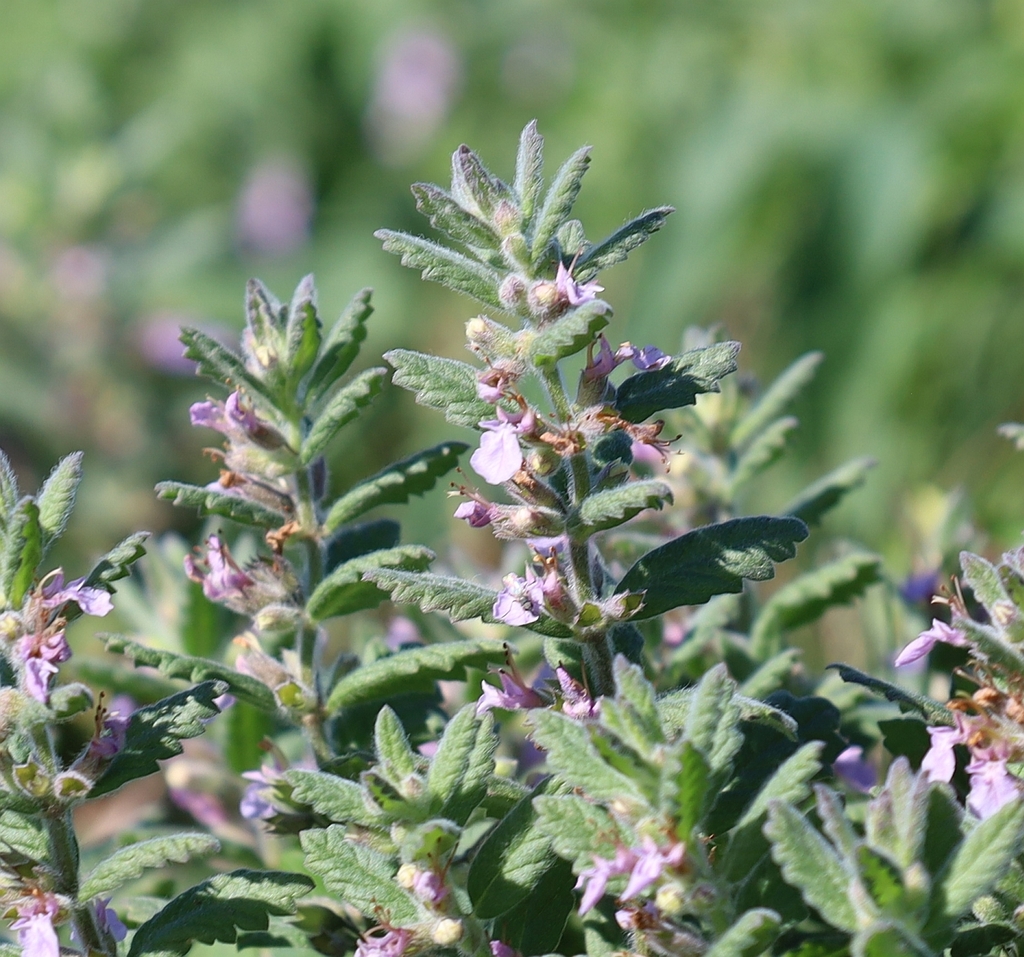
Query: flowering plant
x=653, y=773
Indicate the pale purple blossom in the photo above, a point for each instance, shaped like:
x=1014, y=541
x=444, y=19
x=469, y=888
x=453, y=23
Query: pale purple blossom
x=593, y=880
x=577, y=701
x=651, y=863
x=499, y=456
x=992, y=786
x=927, y=640
x=850, y=766
x=93, y=601
x=383, y=943
x=110, y=736
x=40, y=654
x=429, y=887
x=521, y=601
x=603, y=364
x=940, y=761
x=576, y=293
x=236, y=419
x=514, y=694
x=255, y=805
x=222, y=578
x=36, y=933
x=501, y=949
x=646, y=358
x=476, y=513
x=107, y=919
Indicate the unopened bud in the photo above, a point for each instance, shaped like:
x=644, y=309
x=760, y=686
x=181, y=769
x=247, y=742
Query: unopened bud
x=491, y=338
x=671, y=899
x=543, y=461
x=406, y=875
x=277, y=618
x=544, y=299
x=512, y=292
x=524, y=521
x=10, y=626
x=506, y=218
x=448, y=932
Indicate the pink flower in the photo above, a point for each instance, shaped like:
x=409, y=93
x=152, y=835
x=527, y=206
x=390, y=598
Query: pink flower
x=992, y=786
x=429, y=887
x=576, y=293
x=940, y=761
x=222, y=578
x=36, y=933
x=390, y=943
x=576, y=700
x=92, y=601
x=650, y=864
x=603, y=364
x=500, y=949
x=499, y=456
x=41, y=654
x=924, y=642
x=513, y=695
x=521, y=601
x=476, y=513
x=237, y=420
x=594, y=880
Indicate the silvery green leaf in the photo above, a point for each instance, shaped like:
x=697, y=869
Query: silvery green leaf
x=346, y=589
x=21, y=553
x=302, y=331
x=394, y=484
x=558, y=203
x=930, y=709
x=361, y=876
x=116, y=564
x=710, y=561
x=984, y=580
x=443, y=384
x=209, y=501
x=988, y=644
x=335, y=798
x=678, y=384
x=394, y=756
x=612, y=507
x=712, y=723
x=771, y=675
x=217, y=909
x=616, y=247
x=775, y=399
x=764, y=450
x=473, y=186
x=529, y=179
x=340, y=347
x=8, y=491
x=265, y=315
x=806, y=598
x=340, y=409
x=128, y=863
x=896, y=818
x=453, y=219
x=579, y=829
x=413, y=670
x=439, y=264
x=56, y=498
x=569, y=334
x=23, y=838
x=752, y=934
x=824, y=494
x=462, y=765
x=220, y=364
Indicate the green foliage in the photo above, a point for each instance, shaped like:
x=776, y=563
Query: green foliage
x=128, y=863
x=21, y=553
x=935, y=713
x=616, y=247
x=207, y=501
x=56, y=498
x=828, y=491
x=340, y=347
x=443, y=384
x=462, y=765
x=571, y=334
x=558, y=203
x=612, y=507
x=339, y=409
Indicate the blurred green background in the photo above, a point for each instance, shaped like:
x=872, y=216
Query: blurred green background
x=848, y=176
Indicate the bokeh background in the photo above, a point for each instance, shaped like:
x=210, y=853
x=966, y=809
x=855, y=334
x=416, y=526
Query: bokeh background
x=848, y=177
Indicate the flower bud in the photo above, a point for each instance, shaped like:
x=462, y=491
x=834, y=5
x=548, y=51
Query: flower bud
x=512, y=292
x=406, y=875
x=543, y=461
x=448, y=932
x=544, y=299
x=10, y=626
x=524, y=521
x=491, y=338
x=277, y=618
x=506, y=218
x=671, y=899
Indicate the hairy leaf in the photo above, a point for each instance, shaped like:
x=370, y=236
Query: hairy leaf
x=340, y=409
x=752, y=934
x=775, y=399
x=116, y=564
x=8, y=491
x=570, y=334
x=762, y=453
x=340, y=347
x=473, y=186
x=128, y=863
x=534, y=926
x=337, y=799
x=612, y=507
x=529, y=180
x=578, y=829
x=558, y=203
x=21, y=553
x=448, y=216
x=56, y=498
x=219, y=363
x=302, y=331
x=711, y=561
x=463, y=765
x=209, y=501
x=443, y=384
x=930, y=709
x=821, y=496
x=616, y=247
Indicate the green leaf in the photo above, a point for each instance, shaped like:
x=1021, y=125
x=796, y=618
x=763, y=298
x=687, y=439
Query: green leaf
x=56, y=498
x=8, y=491
x=569, y=334
x=815, y=500
x=194, y=669
x=219, y=363
x=439, y=264
x=512, y=859
x=775, y=399
x=336, y=798
x=458, y=598
x=612, y=507
x=711, y=561
x=302, y=331
x=984, y=580
x=473, y=186
x=558, y=203
x=934, y=712
x=712, y=724
x=751, y=935
x=361, y=539
x=116, y=564
x=809, y=864
x=217, y=909
x=394, y=756
x=616, y=247
x=771, y=675
x=808, y=597
x=155, y=732
x=896, y=819
x=340, y=409
x=463, y=765
x=340, y=347
x=22, y=552
x=974, y=869
x=211, y=502
x=23, y=838
x=762, y=453
x=573, y=755
x=128, y=863
x=361, y=876
x=988, y=644
x=578, y=829
x=346, y=590
x=535, y=925
x=395, y=484
x=450, y=217
x=443, y=384
x=689, y=790
x=529, y=180
x=678, y=384
x=884, y=939
x=413, y=670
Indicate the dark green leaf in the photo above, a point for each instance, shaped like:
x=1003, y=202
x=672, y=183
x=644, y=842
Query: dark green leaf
x=128, y=863
x=569, y=334
x=340, y=409
x=711, y=561
x=211, y=502
x=219, y=363
x=934, y=712
x=449, y=217
x=22, y=552
x=612, y=507
x=302, y=331
x=340, y=347
x=616, y=247
x=815, y=500
x=534, y=926
x=56, y=498
x=443, y=384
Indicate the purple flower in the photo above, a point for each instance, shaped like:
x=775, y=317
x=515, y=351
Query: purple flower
x=429, y=887
x=476, y=513
x=36, y=933
x=110, y=735
x=651, y=862
x=594, y=880
x=390, y=943
x=924, y=642
x=992, y=786
x=521, y=601
x=92, y=601
x=107, y=919
x=40, y=655
x=513, y=695
x=255, y=806
x=222, y=579
x=851, y=767
x=646, y=358
x=499, y=456
x=576, y=293
x=500, y=949
x=576, y=700
x=940, y=761
x=237, y=420
x=603, y=364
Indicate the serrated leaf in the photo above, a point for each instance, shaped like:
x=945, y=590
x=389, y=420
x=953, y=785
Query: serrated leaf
x=155, y=732
x=616, y=247
x=363, y=877
x=771, y=674
x=473, y=186
x=529, y=179
x=512, y=859
x=128, y=863
x=930, y=709
x=22, y=552
x=984, y=580
x=569, y=334
x=8, y=491
x=612, y=507
x=443, y=384
x=974, y=869
x=394, y=755
x=217, y=909
x=763, y=452
x=439, y=264
x=413, y=670
x=711, y=561
x=558, y=203
x=462, y=766
x=23, y=838
x=208, y=501
x=360, y=539
x=458, y=598
x=987, y=644
x=820, y=496
x=346, y=590
x=220, y=364
x=340, y=409
x=689, y=790
x=194, y=669
x=809, y=864
x=806, y=598
x=56, y=498
x=678, y=384
x=302, y=331
x=573, y=755
x=712, y=723
x=752, y=934
x=337, y=799
x=340, y=347
x=394, y=484
x=451, y=218
x=116, y=564
x=775, y=399
x=578, y=829
x=896, y=819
